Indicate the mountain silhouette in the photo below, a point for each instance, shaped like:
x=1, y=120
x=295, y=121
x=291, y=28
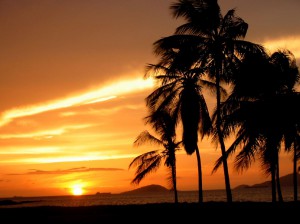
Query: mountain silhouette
x=285, y=181
x=153, y=188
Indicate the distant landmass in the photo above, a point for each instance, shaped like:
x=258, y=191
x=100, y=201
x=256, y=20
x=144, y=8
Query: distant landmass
x=153, y=188
x=285, y=181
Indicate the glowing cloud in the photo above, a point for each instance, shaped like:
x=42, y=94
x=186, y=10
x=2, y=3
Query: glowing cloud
x=29, y=150
x=56, y=159
x=291, y=43
x=68, y=171
x=45, y=134
x=94, y=96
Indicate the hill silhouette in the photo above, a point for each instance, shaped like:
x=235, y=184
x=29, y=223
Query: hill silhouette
x=285, y=181
x=153, y=188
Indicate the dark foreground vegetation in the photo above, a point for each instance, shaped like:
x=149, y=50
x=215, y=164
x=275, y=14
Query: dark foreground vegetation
x=208, y=212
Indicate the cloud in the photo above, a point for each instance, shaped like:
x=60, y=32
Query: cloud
x=45, y=133
x=29, y=150
x=291, y=43
x=57, y=159
x=67, y=171
x=94, y=96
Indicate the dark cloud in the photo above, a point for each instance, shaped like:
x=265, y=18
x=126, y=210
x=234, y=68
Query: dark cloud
x=67, y=171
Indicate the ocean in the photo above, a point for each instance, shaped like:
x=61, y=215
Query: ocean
x=239, y=195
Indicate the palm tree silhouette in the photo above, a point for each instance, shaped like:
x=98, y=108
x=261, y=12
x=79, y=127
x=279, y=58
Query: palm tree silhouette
x=150, y=161
x=216, y=43
x=285, y=64
x=181, y=94
x=293, y=144
x=260, y=112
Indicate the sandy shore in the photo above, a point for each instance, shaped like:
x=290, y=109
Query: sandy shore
x=213, y=212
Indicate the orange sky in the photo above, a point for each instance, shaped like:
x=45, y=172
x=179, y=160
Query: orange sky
x=72, y=91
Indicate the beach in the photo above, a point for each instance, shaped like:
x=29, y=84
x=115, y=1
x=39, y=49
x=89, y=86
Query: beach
x=207, y=212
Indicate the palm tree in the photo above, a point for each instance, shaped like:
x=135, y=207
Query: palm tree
x=216, y=42
x=294, y=146
x=258, y=94
x=150, y=161
x=290, y=129
x=284, y=63
x=180, y=93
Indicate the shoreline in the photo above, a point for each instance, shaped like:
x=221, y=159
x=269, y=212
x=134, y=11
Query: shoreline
x=235, y=212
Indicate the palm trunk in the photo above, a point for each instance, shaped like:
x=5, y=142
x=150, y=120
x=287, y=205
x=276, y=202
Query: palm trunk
x=174, y=183
x=273, y=182
x=280, y=198
x=221, y=139
x=200, y=188
x=295, y=174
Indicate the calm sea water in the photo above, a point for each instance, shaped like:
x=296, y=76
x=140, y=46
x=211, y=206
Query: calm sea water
x=240, y=195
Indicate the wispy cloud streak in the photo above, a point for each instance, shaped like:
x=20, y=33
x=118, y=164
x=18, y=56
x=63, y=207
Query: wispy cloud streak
x=67, y=171
x=102, y=94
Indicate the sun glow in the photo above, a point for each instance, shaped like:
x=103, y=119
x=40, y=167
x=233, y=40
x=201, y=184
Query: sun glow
x=77, y=189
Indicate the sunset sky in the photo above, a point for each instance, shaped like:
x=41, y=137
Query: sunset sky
x=72, y=92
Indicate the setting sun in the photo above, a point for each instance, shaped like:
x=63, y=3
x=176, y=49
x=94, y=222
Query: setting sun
x=77, y=190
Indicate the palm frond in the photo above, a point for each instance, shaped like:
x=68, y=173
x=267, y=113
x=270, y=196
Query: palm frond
x=233, y=27
x=148, y=166
x=145, y=137
x=144, y=159
x=200, y=15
